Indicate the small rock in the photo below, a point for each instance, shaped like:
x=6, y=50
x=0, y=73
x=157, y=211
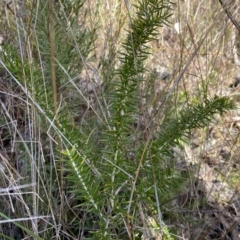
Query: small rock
x=163, y=73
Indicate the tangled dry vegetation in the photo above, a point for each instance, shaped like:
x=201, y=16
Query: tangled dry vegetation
x=213, y=198
x=199, y=34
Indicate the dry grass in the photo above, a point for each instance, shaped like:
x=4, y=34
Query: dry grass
x=206, y=204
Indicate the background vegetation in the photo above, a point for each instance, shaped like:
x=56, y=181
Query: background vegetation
x=119, y=120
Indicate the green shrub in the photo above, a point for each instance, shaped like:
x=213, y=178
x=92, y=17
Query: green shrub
x=103, y=176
